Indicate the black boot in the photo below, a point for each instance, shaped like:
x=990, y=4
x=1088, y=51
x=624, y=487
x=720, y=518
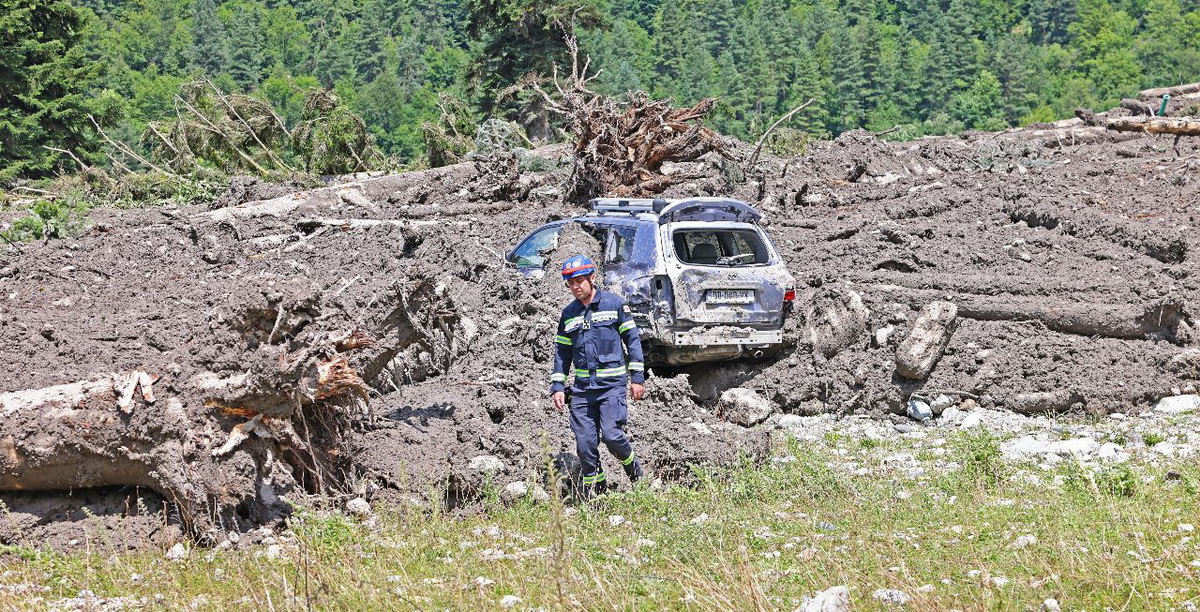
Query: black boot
x=633, y=469
x=595, y=485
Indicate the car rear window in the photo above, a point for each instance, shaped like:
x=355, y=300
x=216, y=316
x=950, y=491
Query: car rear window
x=724, y=247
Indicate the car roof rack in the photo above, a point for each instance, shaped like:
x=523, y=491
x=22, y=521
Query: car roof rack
x=631, y=206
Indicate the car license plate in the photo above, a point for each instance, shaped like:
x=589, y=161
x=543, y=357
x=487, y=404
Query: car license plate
x=730, y=296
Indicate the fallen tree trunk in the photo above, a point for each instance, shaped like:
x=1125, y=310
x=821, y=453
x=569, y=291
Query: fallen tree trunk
x=1155, y=125
x=1157, y=93
x=1163, y=320
x=1068, y=136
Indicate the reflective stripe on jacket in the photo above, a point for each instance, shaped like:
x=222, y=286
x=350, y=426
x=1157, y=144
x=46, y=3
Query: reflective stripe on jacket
x=599, y=342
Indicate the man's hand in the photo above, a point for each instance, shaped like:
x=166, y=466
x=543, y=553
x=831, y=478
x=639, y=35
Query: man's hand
x=637, y=390
x=560, y=400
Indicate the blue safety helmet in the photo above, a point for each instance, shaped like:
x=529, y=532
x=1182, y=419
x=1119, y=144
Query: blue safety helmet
x=577, y=265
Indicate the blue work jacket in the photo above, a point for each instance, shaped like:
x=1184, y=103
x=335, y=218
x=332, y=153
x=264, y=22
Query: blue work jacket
x=592, y=341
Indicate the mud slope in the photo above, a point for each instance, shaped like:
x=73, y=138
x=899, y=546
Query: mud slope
x=363, y=339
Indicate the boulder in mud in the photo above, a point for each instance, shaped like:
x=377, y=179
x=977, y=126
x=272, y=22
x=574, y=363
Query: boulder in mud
x=1178, y=404
x=1186, y=364
x=921, y=349
x=835, y=319
x=745, y=407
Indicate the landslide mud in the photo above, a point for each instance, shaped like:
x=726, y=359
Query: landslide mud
x=1074, y=268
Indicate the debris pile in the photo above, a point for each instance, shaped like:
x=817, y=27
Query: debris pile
x=203, y=369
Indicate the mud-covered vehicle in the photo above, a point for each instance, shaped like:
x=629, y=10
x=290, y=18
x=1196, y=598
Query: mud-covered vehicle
x=701, y=277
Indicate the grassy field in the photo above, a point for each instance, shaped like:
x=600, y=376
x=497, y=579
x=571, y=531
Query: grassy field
x=967, y=532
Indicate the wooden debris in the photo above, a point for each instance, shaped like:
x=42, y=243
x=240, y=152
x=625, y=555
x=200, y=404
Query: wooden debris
x=621, y=146
x=1153, y=95
x=337, y=377
x=1179, y=126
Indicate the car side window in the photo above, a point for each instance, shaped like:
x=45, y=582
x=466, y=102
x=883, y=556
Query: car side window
x=620, y=244
x=529, y=254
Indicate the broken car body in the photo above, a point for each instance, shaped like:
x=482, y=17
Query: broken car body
x=700, y=275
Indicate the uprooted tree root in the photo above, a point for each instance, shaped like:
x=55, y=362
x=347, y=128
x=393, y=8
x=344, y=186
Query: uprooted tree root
x=621, y=146
x=228, y=451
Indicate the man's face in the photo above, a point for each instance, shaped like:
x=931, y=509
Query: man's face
x=580, y=286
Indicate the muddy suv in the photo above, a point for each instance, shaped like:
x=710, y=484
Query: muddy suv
x=701, y=278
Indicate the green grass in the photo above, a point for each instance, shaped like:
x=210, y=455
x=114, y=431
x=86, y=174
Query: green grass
x=772, y=535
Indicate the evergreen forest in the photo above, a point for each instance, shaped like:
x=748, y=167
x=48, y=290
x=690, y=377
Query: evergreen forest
x=78, y=76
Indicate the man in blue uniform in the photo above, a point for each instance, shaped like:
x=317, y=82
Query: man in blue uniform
x=594, y=333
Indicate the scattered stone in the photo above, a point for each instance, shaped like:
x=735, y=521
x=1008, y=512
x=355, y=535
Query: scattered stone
x=892, y=597
x=920, y=351
x=1118, y=416
x=1178, y=404
x=953, y=416
x=968, y=404
x=700, y=519
x=486, y=464
x=514, y=491
x=1050, y=605
x=883, y=334
x=833, y=599
x=918, y=410
x=1186, y=528
x=509, y=601
x=972, y=419
x=745, y=407
x=1112, y=453
x=616, y=520
x=1000, y=582
x=358, y=507
x=1024, y=540
x=940, y=404
x=826, y=526
x=178, y=552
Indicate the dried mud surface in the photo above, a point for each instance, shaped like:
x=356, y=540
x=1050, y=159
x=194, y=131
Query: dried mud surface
x=1073, y=268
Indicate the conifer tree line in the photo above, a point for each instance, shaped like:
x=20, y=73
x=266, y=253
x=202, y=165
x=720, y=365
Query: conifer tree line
x=924, y=66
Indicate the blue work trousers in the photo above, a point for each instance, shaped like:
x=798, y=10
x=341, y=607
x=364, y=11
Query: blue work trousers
x=599, y=415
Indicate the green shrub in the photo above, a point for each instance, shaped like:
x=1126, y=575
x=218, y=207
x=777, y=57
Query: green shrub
x=50, y=218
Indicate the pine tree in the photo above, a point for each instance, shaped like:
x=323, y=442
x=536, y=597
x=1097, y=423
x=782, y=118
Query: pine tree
x=210, y=44
x=43, y=77
x=520, y=37
x=248, y=46
x=846, y=106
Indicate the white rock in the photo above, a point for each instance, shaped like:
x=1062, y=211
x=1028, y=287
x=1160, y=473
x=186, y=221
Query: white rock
x=509, y=601
x=616, y=520
x=973, y=419
x=514, y=491
x=918, y=410
x=892, y=597
x=953, y=416
x=178, y=552
x=1116, y=416
x=701, y=428
x=1024, y=540
x=1111, y=452
x=358, y=507
x=882, y=334
x=941, y=403
x=646, y=543
x=486, y=464
x=745, y=407
x=481, y=581
x=1178, y=404
x=1050, y=605
x=833, y=599
x=1000, y=581
x=1186, y=527
x=795, y=421
x=700, y=518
